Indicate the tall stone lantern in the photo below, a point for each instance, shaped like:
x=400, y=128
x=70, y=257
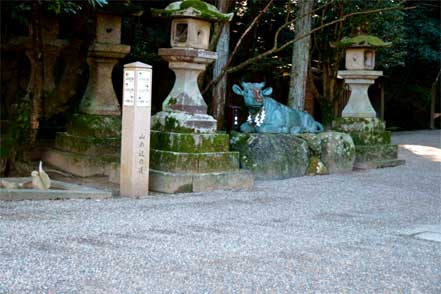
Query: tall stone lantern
x=359, y=119
x=360, y=73
x=187, y=154
x=91, y=143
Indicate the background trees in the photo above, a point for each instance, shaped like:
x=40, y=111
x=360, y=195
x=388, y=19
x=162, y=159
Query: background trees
x=261, y=35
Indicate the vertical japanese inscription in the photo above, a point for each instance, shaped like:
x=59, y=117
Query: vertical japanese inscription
x=129, y=88
x=144, y=93
x=141, y=154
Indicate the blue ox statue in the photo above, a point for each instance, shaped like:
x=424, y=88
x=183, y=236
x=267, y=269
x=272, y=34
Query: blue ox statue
x=266, y=115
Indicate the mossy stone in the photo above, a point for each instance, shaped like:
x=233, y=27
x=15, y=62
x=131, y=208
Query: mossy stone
x=171, y=125
x=187, y=142
x=271, y=156
x=193, y=8
x=91, y=125
x=316, y=167
x=368, y=153
x=88, y=145
x=337, y=151
x=179, y=162
x=371, y=138
x=358, y=124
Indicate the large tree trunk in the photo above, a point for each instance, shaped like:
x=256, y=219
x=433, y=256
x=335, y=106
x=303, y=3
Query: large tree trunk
x=223, y=49
x=300, y=56
x=37, y=81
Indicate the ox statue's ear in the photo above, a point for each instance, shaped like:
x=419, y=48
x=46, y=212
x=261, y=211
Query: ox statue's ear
x=237, y=90
x=268, y=91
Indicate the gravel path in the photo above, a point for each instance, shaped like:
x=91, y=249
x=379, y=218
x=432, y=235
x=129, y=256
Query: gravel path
x=325, y=234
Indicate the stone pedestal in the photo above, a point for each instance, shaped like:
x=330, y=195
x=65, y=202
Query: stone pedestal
x=187, y=155
x=185, y=108
x=91, y=144
x=359, y=81
x=190, y=162
x=373, y=146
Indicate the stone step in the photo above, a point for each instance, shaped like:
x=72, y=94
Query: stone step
x=167, y=182
x=91, y=125
x=188, y=142
x=180, y=162
x=371, y=138
x=379, y=163
x=368, y=153
x=358, y=124
x=80, y=165
x=93, y=146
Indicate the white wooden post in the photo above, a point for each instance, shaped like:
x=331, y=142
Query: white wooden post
x=135, y=138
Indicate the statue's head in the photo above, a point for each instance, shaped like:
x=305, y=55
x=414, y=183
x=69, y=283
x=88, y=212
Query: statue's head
x=253, y=93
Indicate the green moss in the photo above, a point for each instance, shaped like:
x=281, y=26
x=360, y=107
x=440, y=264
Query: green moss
x=95, y=125
x=88, y=145
x=316, y=167
x=171, y=125
x=358, y=124
x=201, y=9
x=371, y=138
x=172, y=101
x=362, y=41
x=376, y=152
x=189, y=142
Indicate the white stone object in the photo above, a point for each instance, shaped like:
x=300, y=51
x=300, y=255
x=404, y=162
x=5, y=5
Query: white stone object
x=190, y=33
x=40, y=179
x=359, y=81
x=135, y=138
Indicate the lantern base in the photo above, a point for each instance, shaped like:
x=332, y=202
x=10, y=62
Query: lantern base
x=373, y=146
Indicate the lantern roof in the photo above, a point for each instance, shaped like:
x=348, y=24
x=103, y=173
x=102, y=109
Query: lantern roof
x=361, y=41
x=194, y=9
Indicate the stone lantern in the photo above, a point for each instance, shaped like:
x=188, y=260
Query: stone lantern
x=372, y=141
x=187, y=155
x=91, y=143
x=188, y=57
x=359, y=73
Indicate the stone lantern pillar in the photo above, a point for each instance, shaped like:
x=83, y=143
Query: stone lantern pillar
x=359, y=119
x=186, y=152
x=91, y=144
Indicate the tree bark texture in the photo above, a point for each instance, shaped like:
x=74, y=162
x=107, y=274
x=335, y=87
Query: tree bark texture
x=36, y=84
x=223, y=49
x=300, y=56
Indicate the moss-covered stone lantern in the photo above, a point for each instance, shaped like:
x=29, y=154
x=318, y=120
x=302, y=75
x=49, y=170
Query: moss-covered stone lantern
x=372, y=142
x=91, y=143
x=360, y=51
x=187, y=154
x=359, y=73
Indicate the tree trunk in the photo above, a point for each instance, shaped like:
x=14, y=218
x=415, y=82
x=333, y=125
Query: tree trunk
x=220, y=89
x=37, y=82
x=300, y=56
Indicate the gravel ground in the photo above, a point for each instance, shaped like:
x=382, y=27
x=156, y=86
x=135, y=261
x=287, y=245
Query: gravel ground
x=323, y=234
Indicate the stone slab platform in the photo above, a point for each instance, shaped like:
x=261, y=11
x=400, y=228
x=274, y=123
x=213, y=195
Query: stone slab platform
x=167, y=182
x=59, y=191
x=194, y=162
x=93, y=146
x=78, y=164
x=375, y=152
x=189, y=142
x=379, y=163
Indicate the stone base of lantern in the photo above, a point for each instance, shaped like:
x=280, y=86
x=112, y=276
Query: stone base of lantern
x=183, y=122
x=90, y=146
x=372, y=142
x=190, y=162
